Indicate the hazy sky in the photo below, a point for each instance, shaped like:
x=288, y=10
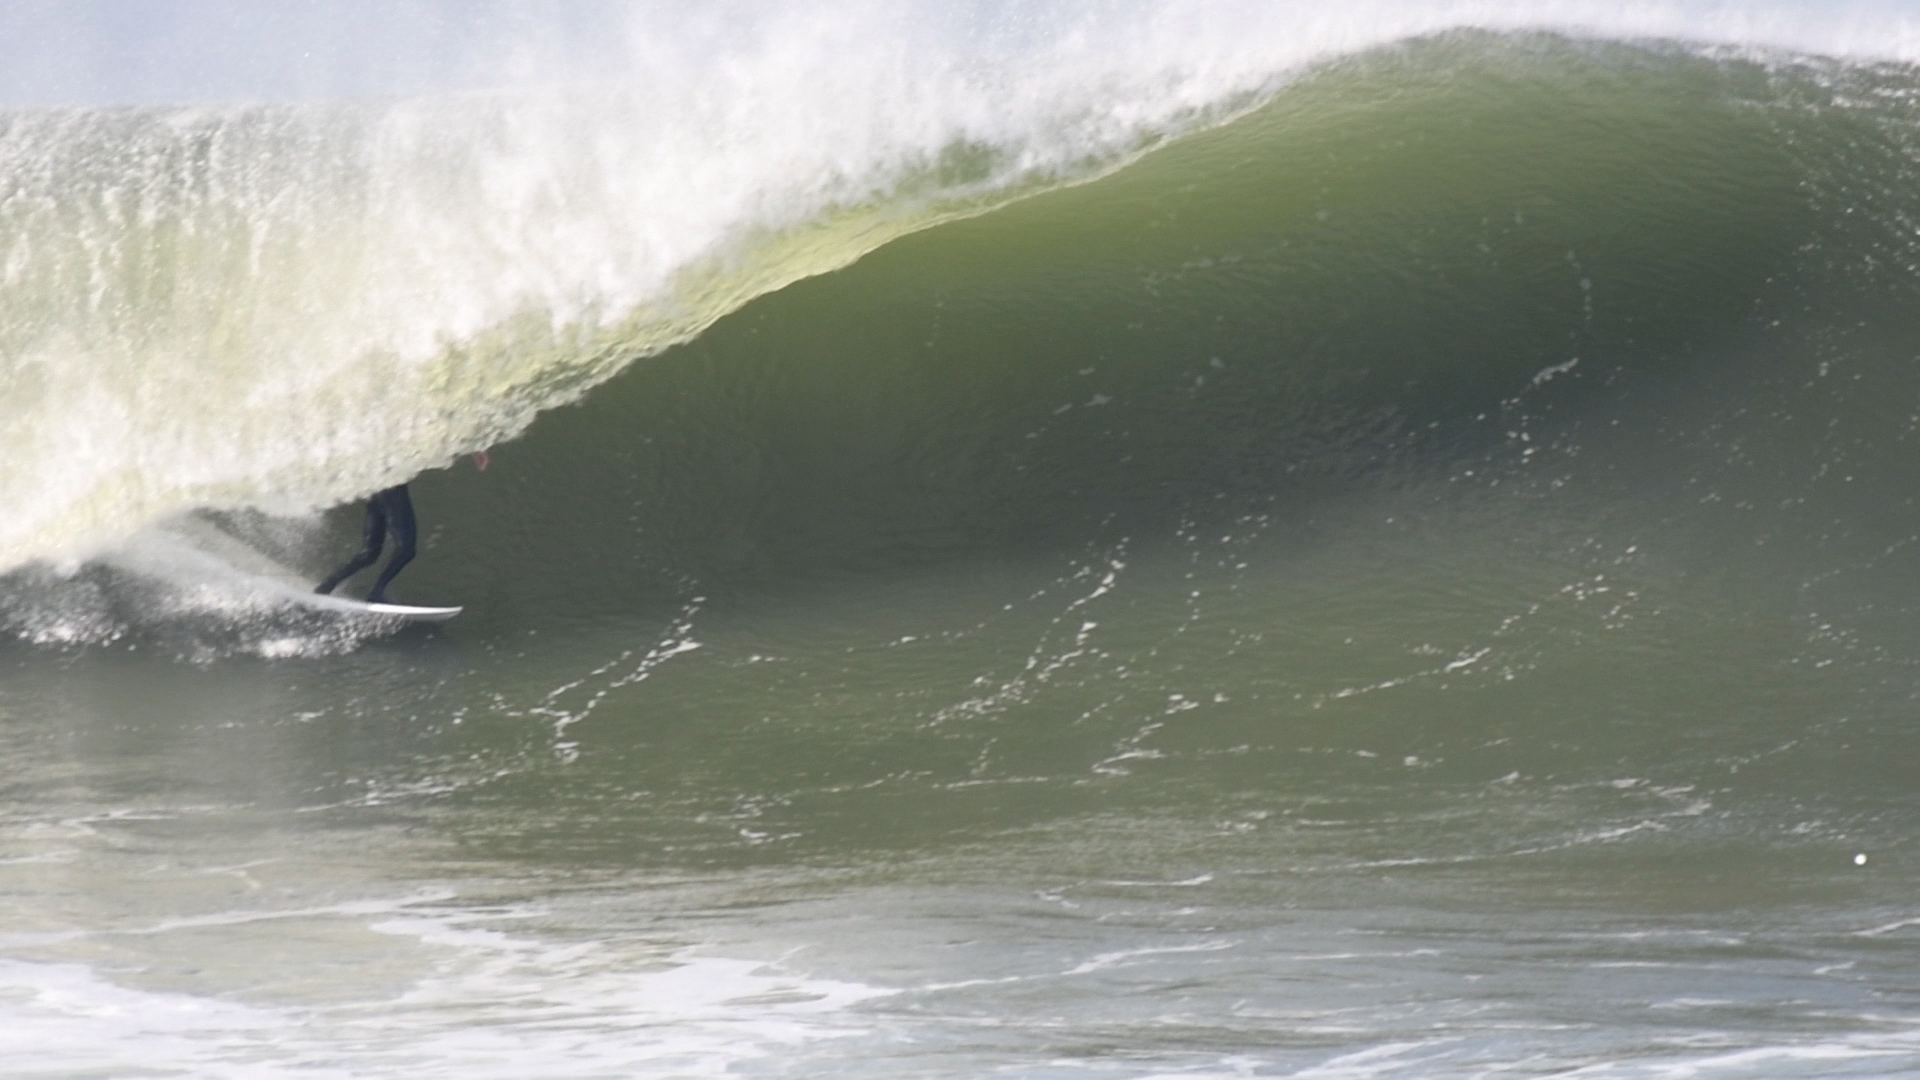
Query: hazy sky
x=98, y=52
x=55, y=52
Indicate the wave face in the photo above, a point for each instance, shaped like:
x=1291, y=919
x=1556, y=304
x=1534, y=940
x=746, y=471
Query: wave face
x=283, y=307
x=1464, y=267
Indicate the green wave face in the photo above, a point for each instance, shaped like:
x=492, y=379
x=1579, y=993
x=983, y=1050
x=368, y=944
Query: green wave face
x=1464, y=264
x=1503, y=407
x=1446, y=259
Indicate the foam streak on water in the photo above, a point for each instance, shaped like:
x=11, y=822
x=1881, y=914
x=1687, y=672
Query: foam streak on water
x=486, y=1004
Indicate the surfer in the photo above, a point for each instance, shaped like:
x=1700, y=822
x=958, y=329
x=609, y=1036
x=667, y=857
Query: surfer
x=387, y=511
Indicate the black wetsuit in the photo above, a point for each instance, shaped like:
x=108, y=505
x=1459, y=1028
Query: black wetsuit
x=387, y=511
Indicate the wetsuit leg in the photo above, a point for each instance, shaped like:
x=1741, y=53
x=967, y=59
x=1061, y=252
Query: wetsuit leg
x=370, y=548
x=399, y=514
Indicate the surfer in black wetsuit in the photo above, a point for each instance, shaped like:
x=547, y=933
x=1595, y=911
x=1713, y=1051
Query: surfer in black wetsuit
x=387, y=511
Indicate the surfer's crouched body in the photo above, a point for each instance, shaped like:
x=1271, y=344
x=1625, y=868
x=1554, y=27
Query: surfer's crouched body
x=387, y=511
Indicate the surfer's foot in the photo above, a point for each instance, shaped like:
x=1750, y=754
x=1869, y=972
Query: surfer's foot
x=376, y=598
x=324, y=588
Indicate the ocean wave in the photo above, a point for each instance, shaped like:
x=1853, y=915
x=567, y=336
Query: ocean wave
x=281, y=307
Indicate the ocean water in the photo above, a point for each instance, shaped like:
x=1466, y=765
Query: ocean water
x=1166, y=539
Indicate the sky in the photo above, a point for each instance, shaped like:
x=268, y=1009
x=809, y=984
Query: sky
x=149, y=52
x=124, y=52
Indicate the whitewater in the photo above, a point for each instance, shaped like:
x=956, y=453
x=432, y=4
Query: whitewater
x=1164, y=538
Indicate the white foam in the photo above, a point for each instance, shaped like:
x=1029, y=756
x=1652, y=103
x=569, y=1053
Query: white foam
x=196, y=590
x=490, y=1004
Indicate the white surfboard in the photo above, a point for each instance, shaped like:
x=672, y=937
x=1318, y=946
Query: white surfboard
x=360, y=607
